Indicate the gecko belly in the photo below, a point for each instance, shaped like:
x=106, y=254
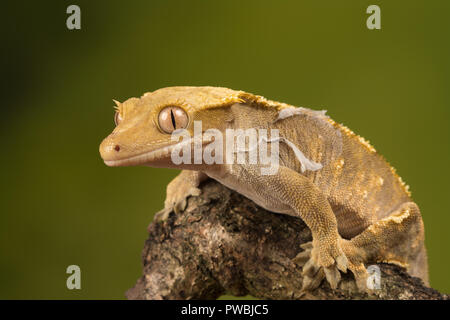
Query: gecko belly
x=261, y=197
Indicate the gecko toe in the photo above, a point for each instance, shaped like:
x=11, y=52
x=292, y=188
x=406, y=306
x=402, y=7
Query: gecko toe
x=342, y=263
x=310, y=268
x=333, y=276
x=301, y=258
x=307, y=246
x=360, y=273
x=311, y=283
x=195, y=192
x=162, y=215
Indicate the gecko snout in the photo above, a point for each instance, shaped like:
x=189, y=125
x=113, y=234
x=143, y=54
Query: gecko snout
x=110, y=150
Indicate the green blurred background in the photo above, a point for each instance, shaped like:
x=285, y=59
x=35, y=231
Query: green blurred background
x=60, y=205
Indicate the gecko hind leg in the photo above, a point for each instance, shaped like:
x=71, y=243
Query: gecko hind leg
x=397, y=239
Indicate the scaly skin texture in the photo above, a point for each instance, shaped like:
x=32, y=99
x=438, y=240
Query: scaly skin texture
x=358, y=209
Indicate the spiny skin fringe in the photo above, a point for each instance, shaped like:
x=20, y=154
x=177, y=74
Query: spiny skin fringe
x=366, y=144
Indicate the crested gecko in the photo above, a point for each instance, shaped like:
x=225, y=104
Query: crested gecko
x=358, y=209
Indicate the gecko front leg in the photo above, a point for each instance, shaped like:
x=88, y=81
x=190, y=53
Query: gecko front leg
x=178, y=190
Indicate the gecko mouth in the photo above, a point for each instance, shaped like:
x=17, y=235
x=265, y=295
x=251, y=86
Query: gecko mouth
x=143, y=158
x=151, y=157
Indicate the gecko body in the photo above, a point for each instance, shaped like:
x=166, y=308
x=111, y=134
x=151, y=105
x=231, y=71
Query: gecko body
x=357, y=207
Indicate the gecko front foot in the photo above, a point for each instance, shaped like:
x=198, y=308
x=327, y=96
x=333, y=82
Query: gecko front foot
x=176, y=202
x=178, y=190
x=324, y=260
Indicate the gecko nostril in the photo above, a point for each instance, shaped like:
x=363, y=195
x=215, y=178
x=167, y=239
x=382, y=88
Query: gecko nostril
x=117, y=148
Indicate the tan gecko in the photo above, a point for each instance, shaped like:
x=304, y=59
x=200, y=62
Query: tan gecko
x=358, y=209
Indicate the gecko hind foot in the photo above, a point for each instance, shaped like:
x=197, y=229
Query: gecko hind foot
x=337, y=260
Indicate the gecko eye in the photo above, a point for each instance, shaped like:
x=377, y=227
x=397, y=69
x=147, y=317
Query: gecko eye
x=117, y=118
x=172, y=118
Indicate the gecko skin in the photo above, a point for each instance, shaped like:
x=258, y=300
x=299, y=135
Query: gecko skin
x=358, y=209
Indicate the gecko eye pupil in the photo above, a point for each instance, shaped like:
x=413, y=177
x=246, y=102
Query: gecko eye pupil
x=172, y=118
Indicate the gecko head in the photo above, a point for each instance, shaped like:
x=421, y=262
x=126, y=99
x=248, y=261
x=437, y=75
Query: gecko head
x=145, y=125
